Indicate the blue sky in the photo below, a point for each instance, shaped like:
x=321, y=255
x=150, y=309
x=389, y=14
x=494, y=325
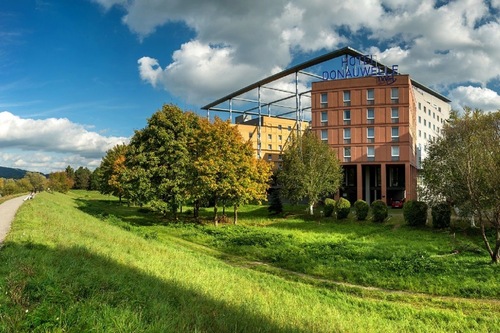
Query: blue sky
x=78, y=77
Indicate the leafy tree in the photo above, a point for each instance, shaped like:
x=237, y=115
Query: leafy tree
x=60, y=181
x=38, y=182
x=70, y=173
x=463, y=167
x=224, y=167
x=10, y=187
x=310, y=170
x=158, y=160
x=82, y=178
x=112, y=170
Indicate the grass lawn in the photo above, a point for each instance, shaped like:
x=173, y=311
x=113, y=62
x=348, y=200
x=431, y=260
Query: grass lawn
x=81, y=262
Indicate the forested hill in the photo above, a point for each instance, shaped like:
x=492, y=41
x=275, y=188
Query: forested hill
x=12, y=173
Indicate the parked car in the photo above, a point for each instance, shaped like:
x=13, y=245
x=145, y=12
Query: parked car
x=398, y=203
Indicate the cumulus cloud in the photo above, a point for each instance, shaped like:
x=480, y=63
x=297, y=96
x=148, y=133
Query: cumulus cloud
x=441, y=44
x=52, y=142
x=475, y=97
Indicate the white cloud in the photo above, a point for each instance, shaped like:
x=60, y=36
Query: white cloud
x=475, y=97
x=50, y=144
x=440, y=44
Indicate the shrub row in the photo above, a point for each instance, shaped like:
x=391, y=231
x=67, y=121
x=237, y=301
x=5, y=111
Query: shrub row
x=342, y=207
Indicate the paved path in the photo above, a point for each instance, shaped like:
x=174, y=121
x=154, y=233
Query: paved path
x=7, y=212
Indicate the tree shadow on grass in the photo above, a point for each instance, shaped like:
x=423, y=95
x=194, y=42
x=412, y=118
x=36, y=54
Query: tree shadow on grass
x=130, y=214
x=74, y=290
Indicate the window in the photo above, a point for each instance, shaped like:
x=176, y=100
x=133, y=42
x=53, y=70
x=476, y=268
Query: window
x=347, y=135
x=289, y=127
x=324, y=117
x=324, y=100
x=395, y=153
x=324, y=135
x=395, y=115
x=280, y=147
x=395, y=134
x=425, y=122
x=429, y=124
x=425, y=135
x=347, y=117
x=347, y=154
x=419, y=133
x=280, y=137
x=370, y=116
x=279, y=127
x=419, y=119
x=429, y=112
x=438, y=118
x=269, y=137
x=370, y=96
x=433, y=127
x=370, y=134
x=347, y=98
x=394, y=95
x=434, y=115
x=370, y=153
x=419, y=106
x=270, y=147
x=439, y=108
x=269, y=157
x=280, y=157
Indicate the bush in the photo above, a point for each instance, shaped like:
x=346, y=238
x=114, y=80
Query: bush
x=275, y=204
x=343, y=208
x=415, y=213
x=379, y=211
x=441, y=215
x=329, y=207
x=362, y=209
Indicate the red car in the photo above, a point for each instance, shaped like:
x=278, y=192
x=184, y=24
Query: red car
x=398, y=203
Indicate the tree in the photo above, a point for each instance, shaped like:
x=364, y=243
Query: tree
x=224, y=167
x=158, y=160
x=82, y=178
x=37, y=181
x=310, y=170
x=70, y=173
x=60, y=182
x=112, y=170
x=463, y=167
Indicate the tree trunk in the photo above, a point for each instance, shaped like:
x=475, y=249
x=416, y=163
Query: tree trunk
x=311, y=209
x=215, y=212
x=235, y=220
x=196, y=210
x=494, y=257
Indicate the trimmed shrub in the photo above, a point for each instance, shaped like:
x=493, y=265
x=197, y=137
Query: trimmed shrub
x=441, y=215
x=329, y=207
x=343, y=208
x=379, y=211
x=362, y=209
x=415, y=213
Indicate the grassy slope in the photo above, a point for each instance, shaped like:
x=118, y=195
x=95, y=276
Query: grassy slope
x=65, y=270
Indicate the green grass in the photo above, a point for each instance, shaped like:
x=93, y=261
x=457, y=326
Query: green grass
x=81, y=262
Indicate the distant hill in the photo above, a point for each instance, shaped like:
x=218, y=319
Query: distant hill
x=12, y=173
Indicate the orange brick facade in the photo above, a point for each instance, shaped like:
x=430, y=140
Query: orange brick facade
x=372, y=127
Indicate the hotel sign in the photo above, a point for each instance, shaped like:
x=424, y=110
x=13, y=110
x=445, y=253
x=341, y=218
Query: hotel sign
x=362, y=66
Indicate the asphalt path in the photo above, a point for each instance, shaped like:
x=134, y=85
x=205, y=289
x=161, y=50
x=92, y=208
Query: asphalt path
x=7, y=212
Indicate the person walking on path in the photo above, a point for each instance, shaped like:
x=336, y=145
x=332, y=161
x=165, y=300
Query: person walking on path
x=7, y=212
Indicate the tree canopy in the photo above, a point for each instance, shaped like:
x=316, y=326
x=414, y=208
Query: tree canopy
x=310, y=170
x=463, y=167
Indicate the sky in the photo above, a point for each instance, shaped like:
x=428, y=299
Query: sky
x=78, y=77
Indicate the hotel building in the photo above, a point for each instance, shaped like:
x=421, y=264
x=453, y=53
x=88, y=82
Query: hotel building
x=377, y=120
x=379, y=132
